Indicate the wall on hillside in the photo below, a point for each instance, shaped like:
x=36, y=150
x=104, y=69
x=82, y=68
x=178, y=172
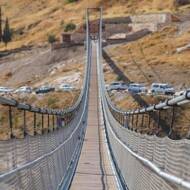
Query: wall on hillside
x=131, y=37
x=158, y=18
x=78, y=37
x=127, y=25
x=111, y=29
x=140, y=26
x=152, y=22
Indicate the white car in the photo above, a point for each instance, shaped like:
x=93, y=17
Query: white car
x=162, y=88
x=182, y=92
x=65, y=87
x=5, y=90
x=24, y=89
x=137, y=88
x=117, y=86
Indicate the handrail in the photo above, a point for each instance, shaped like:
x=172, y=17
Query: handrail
x=50, y=156
x=167, y=104
x=153, y=167
x=108, y=105
x=37, y=160
x=127, y=117
x=14, y=103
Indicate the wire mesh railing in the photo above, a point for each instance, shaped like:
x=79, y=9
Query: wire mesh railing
x=39, y=147
x=144, y=160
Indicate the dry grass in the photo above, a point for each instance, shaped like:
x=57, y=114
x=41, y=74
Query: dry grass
x=54, y=100
x=154, y=59
x=52, y=70
x=33, y=20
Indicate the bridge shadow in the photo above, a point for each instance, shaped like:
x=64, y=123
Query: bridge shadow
x=141, y=102
x=121, y=74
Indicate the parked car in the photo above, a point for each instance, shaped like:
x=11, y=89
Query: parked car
x=24, y=89
x=5, y=90
x=65, y=87
x=137, y=88
x=44, y=89
x=182, y=92
x=162, y=88
x=117, y=86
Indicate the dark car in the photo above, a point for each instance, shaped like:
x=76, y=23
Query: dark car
x=117, y=86
x=44, y=89
x=137, y=88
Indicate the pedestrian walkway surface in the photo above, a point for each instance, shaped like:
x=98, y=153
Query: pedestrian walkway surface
x=94, y=171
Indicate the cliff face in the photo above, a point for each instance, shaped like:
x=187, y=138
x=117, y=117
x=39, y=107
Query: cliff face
x=33, y=20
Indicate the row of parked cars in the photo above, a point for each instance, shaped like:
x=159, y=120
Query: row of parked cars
x=41, y=90
x=156, y=88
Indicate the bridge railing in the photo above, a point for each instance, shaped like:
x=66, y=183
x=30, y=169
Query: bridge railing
x=155, y=119
x=19, y=119
x=143, y=161
x=39, y=148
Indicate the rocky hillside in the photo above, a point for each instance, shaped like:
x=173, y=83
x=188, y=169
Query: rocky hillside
x=33, y=20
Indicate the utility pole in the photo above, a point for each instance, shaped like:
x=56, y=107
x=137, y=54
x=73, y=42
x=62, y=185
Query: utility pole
x=1, y=35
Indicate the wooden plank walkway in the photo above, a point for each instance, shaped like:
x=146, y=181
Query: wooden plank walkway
x=94, y=170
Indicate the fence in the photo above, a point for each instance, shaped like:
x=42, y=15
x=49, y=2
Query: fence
x=39, y=148
x=145, y=161
x=42, y=158
x=43, y=154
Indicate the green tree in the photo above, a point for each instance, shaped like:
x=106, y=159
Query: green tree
x=7, y=35
x=71, y=1
x=69, y=27
x=51, y=40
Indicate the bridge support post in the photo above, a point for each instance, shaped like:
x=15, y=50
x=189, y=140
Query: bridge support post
x=10, y=122
x=24, y=122
x=42, y=123
x=34, y=118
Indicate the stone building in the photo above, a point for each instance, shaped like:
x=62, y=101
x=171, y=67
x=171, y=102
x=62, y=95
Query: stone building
x=66, y=38
x=125, y=25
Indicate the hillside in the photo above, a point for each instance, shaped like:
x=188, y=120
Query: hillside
x=162, y=56
x=155, y=58
x=33, y=20
x=152, y=59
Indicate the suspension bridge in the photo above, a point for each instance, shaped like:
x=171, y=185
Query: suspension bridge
x=96, y=147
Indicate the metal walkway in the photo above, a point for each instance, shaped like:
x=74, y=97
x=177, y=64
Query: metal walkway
x=94, y=169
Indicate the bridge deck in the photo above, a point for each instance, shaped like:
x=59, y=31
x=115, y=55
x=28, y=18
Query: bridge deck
x=94, y=168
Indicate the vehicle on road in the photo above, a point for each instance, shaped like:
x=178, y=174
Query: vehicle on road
x=117, y=86
x=65, y=87
x=182, y=92
x=162, y=88
x=5, y=90
x=44, y=89
x=137, y=88
x=24, y=89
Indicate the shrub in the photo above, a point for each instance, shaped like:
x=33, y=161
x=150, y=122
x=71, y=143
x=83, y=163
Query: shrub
x=51, y=38
x=70, y=27
x=119, y=78
x=7, y=35
x=71, y=1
